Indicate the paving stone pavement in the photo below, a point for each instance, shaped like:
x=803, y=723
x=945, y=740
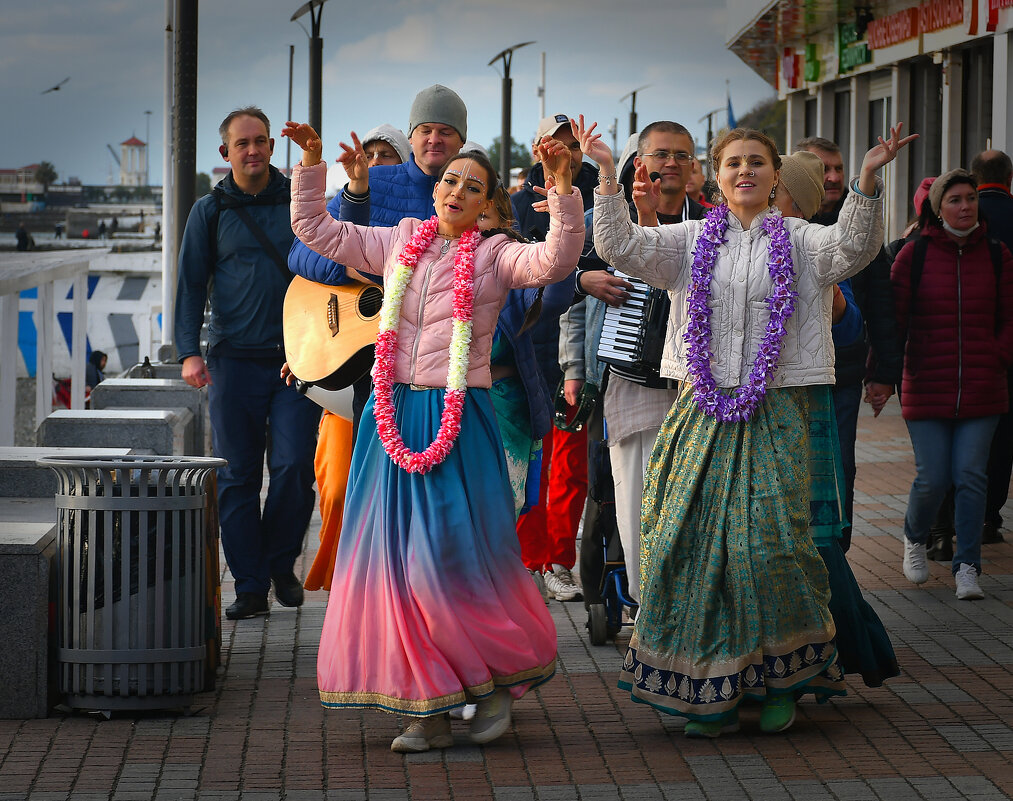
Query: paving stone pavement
x=942, y=730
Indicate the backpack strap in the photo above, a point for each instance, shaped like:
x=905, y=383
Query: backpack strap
x=240, y=207
x=918, y=264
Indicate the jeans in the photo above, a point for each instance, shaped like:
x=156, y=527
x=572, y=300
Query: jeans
x=847, y=402
x=247, y=399
x=950, y=452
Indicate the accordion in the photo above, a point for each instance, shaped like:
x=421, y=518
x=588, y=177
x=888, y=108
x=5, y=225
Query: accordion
x=633, y=335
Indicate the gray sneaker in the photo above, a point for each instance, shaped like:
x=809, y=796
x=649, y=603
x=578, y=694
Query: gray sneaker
x=968, y=588
x=540, y=584
x=560, y=584
x=916, y=566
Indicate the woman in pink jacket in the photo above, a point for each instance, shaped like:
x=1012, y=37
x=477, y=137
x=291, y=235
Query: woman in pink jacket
x=430, y=604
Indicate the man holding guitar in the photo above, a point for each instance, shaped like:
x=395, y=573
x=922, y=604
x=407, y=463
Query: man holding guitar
x=232, y=254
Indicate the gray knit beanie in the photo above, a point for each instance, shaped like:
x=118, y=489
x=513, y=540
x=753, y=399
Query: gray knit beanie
x=392, y=136
x=944, y=182
x=440, y=105
x=802, y=176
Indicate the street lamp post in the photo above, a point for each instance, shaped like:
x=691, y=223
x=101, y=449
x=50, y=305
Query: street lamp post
x=147, y=147
x=314, y=8
x=505, y=140
x=633, y=106
x=709, y=116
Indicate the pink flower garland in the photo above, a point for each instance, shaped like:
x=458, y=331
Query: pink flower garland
x=386, y=350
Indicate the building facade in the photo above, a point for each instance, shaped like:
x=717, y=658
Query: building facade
x=848, y=69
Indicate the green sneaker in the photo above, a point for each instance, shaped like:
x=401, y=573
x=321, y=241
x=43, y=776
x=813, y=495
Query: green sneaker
x=778, y=713
x=728, y=723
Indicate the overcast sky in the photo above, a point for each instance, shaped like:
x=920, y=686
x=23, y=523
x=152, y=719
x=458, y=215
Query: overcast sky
x=377, y=55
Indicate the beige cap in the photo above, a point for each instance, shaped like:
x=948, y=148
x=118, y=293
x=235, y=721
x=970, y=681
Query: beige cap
x=802, y=176
x=944, y=182
x=549, y=125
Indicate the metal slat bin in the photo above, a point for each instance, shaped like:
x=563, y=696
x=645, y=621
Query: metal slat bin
x=137, y=608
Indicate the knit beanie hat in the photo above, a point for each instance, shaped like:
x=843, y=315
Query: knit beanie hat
x=392, y=136
x=944, y=182
x=440, y=105
x=802, y=176
x=921, y=193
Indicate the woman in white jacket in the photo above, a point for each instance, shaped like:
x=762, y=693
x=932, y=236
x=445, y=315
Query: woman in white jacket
x=733, y=593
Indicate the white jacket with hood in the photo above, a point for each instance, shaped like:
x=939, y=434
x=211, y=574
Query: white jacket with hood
x=822, y=256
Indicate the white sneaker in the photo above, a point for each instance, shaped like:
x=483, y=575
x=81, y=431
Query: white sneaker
x=916, y=566
x=540, y=584
x=423, y=734
x=967, y=583
x=559, y=582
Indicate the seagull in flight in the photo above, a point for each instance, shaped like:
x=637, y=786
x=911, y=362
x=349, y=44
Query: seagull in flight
x=55, y=88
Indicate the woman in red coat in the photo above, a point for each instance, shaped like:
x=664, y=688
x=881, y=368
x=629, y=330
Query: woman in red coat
x=954, y=298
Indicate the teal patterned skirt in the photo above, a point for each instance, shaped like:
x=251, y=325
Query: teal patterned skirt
x=863, y=646
x=734, y=596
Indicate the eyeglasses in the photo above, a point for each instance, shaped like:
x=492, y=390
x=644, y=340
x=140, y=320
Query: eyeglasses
x=680, y=156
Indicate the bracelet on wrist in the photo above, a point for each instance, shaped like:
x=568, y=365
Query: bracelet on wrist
x=608, y=179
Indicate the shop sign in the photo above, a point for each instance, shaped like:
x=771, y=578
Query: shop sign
x=932, y=15
x=850, y=52
x=812, y=63
x=993, y=12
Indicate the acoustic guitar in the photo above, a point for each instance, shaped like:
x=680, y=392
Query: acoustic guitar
x=330, y=331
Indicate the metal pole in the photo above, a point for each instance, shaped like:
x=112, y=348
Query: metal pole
x=288, y=141
x=541, y=90
x=504, y=150
x=185, y=134
x=168, y=351
x=316, y=67
x=633, y=115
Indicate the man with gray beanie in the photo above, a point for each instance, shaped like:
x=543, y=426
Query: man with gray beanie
x=437, y=128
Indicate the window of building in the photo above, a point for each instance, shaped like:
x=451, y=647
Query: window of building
x=811, y=117
x=926, y=120
x=977, y=94
x=842, y=124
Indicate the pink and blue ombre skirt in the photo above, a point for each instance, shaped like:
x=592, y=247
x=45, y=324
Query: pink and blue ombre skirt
x=431, y=606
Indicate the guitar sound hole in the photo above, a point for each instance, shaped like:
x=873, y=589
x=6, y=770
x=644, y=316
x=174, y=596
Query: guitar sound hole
x=370, y=302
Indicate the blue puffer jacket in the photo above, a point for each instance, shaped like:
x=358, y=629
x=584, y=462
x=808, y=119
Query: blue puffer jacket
x=396, y=192
x=246, y=286
x=555, y=300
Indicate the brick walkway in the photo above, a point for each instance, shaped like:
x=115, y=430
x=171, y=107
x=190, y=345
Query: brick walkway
x=942, y=730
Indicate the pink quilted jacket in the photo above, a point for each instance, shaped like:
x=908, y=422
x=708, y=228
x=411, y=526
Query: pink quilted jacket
x=423, y=341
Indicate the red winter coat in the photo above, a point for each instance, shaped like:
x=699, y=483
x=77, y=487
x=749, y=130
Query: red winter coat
x=959, y=328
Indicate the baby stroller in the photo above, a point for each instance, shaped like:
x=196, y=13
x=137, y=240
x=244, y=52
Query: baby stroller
x=602, y=566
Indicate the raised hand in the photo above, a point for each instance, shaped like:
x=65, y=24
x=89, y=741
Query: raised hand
x=308, y=139
x=542, y=206
x=592, y=146
x=886, y=151
x=646, y=196
x=353, y=159
x=555, y=158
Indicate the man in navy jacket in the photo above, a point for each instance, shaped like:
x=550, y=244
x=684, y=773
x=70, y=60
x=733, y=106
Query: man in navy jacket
x=226, y=255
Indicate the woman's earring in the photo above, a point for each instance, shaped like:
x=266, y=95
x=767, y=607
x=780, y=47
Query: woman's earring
x=773, y=191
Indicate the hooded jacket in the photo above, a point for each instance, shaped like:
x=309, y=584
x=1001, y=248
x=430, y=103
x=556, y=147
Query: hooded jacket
x=959, y=326
x=427, y=309
x=533, y=224
x=246, y=287
x=395, y=192
x=822, y=256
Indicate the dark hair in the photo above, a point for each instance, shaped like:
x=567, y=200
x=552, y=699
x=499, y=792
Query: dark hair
x=744, y=135
x=663, y=126
x=995, y=168
x=501, y=202
x=819, y=143
x=483, y=162
x=928, y=216
x=96, y=358
x=247, y=111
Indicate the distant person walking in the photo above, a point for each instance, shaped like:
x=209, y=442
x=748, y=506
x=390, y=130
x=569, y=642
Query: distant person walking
x=25, y=240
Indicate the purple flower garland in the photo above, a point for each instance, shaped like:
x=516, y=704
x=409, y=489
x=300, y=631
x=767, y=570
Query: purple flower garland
x=781, y=302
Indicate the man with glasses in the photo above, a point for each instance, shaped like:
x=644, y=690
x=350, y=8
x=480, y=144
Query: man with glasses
x=636, y=401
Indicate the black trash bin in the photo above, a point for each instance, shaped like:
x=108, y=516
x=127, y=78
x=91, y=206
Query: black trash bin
x=133, y=602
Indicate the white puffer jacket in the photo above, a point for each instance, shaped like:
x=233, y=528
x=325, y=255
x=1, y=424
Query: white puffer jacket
x=822, y=256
